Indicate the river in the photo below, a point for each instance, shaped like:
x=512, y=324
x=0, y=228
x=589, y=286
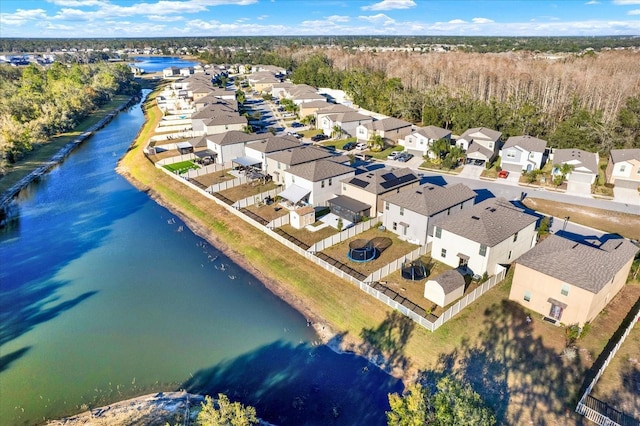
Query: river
x=105, y=295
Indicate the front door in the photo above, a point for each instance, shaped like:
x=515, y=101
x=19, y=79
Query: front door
x=555, y=312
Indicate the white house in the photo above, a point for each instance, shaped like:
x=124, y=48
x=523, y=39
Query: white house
x=346, y=121
x=523, y=153
x=480, y=143
x=280, y=161
x=390, y=129
x=584, y=168
x=411, y=214
x=258, y=151
x=491, y=233
x=420, y=141
x=319, y=179
x=230, y=145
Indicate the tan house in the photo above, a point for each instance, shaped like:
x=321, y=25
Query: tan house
x=624, y=164
x=390, y=129
x=480, y=143
x=310, y=108
x=571, y=282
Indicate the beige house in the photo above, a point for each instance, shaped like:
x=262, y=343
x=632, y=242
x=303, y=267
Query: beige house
x=310, y=108
x=571, y=282
x=480, y=143
x=369, y=187
x=390, y=129
x=624, y=164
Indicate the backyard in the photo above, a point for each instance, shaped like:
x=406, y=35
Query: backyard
x=181, y=167
x=310, y=237
x=248, y=189
x=212, y=178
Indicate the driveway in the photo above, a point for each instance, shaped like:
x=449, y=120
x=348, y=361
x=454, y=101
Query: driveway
x=471, y=171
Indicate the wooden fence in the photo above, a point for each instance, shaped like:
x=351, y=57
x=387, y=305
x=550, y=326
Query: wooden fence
x=341, y=236
x=397, y=264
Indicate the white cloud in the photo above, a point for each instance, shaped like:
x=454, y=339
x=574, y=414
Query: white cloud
x=337, y=18
x=626, y=2
x=21, y=16
x=165, y=18
x=593, y=2
x=78, y=3
x=634, y=12
x=262, y=17
x=457, y=21
x=482, y=21
x=391, y=5
x=379, y=19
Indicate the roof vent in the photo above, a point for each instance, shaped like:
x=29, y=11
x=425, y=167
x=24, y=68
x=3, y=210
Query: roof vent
x=475, y=217
x=419, y=192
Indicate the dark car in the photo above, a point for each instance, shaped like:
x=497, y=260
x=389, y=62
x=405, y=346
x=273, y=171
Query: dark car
x=296, y=124
x=349, y=146
x=319, y=137
x=403, y=157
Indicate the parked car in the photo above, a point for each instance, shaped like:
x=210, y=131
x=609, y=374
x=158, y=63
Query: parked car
x=393, y=155
x=319, y=137
x=296, y=124
x=361, y=146
x=349, y=146
x=404, y=156
x=503, y=174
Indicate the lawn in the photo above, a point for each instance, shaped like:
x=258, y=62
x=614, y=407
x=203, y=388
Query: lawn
x=181, y=167
x=337, y=144
x=215, y=177
x=625, y=224
x=382, y=155
x=310, y=237
x=517, y=367
x=248, y=189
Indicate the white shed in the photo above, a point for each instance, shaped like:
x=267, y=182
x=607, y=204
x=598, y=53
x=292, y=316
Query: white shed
x=302, y=217
x=445, y=288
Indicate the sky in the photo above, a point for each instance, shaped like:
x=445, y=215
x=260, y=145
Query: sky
x=204, y=18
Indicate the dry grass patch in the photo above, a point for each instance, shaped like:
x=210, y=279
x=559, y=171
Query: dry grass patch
x=212, y=178
x=247, y=190
x=625, y=224
x=309, y=237
x=268, y=213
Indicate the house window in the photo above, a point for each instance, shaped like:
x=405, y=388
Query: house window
x=509, y=255
x=515, y=237
x=438, y=232
x=531, y=155
x=386, y=205
x=395, y=226
x=330, y=181
x=344, y=187
x=555, y=312
x=483, y=250
x=293, y=179
x=443, y=253
x=490, y=145
x=527, y=296
x=565, y=290
x=622, y=167
x=404, y=230
x=279, y=167
x=322, y=184
x=401, y=211
x=448, y=212
x=511, y=154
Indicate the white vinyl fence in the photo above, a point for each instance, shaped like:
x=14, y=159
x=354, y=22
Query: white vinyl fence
x=397, y=264
x=341, y=236
x=228, y=184
x=206, y=170
x=257, y=199
x=176, y=159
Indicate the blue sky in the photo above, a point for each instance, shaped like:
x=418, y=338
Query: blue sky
x=154, y=18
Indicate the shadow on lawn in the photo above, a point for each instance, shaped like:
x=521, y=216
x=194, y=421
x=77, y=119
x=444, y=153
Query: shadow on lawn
x=386, y=343
x=520, y=378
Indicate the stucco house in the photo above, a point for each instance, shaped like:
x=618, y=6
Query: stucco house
x=523, y=153
x=623, y=164
x=571, y=282
x=369, y=187
x=258, y=151
x=411, y=214
x=480, y=143
x=491, y=233
x=419, y=142
x=280, y=161
x=390, y=129
x=230, y=145
x=585, y=168
x=171, y=72
x=346, y=121
x=320, y=180
x=310, y=108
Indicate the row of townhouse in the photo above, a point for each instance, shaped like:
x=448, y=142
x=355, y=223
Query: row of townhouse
x=564, y=280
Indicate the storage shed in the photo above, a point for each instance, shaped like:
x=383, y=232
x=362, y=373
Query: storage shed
x=445, y=288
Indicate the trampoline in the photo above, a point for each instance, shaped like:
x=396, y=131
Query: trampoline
x=361, y=250
x=414, y=271
x=381, y=243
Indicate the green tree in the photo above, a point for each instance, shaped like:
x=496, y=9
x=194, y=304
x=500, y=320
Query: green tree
x=376, y=142
x=240, y=96
x=336, y=131
x=226, y=413
x=564, y=169
x=411, y=409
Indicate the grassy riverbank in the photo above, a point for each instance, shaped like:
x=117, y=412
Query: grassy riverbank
x=517, y=367
x=42, y=153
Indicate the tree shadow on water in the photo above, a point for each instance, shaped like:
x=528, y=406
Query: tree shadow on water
x=6, y=360
x=386, y=343
x=23, y=308
x=302, y=385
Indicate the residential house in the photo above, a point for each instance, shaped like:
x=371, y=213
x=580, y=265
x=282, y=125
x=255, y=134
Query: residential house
x=370, y=187
x=319, y=180
x=347, y=122
x=230, y=145
x=265, y=84
x=420, y=141
x=571, y=282
x=310, y=108
x=481, y=144
x=301, y=97
x=390, y=129
x=491, y=233
x=170, y=72
x=278, y=90
x=584, y=168
x=261, y=149
x=211, y=122
x=280, y=161
x=523, y=153
x=186, y=71
x=411, y=214
x=624, y=164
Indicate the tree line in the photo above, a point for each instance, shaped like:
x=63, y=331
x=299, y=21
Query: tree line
x=37, y=103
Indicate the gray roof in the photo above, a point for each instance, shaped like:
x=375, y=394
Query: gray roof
x=389, y=123
x=315, y=104
x=482, y=150
x=526, y=142
x=349, y=117
x=580, y=158
x=434, y=132
x=300, y=154
x=316, y=171
x=349, y=203
x=383, y=180
x=619, y=155
x=489, y=222
x=449, y=280
x=335, y=108
x=232, y=137
x=481, y=133
x=589, y=267
x=226, y=119
x=275, y=143
x=429, y=200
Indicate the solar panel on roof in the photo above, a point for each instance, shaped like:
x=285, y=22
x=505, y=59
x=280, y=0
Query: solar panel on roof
x=359, y=183
x=388, y=176
x=398, y=181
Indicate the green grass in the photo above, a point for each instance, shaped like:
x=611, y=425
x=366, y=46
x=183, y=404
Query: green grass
x=338, y=144
x=181, y=167
x=382, y=155
x=43, y=152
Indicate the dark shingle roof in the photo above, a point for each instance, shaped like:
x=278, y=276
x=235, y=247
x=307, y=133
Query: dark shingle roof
x=489, y=222
x=318, y=170
x=275, y=143
x=450, y=280
x=384, y=180
x=232, y=137
x=299, y=155
x=389, y=123
x=586, y=266
x=429, y=200
x=434, y=132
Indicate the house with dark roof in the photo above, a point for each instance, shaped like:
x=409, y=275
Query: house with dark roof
x=370, y=187
x=258, y=151
x=480, y=143
x=411, y=214
x=319, y=180
x=571, y=282
x=491, y=233
x=230, y=145
x=584, y=168
x=523, y=153
x=390, y=129
x=280, y=161
x=419, y=141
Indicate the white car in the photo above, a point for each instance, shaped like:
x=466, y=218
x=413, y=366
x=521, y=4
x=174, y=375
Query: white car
x=361, y=146
x=393, y=155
